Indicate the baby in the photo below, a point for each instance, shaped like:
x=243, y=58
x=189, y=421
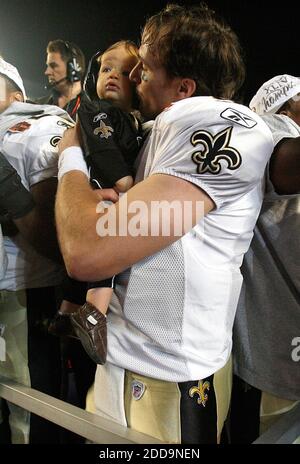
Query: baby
x=111, y=139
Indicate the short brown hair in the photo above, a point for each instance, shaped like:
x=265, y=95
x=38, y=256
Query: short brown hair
x=193, y=42
x=68, y=50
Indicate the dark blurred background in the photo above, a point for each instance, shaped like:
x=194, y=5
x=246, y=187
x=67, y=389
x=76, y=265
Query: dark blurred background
x=268, y=32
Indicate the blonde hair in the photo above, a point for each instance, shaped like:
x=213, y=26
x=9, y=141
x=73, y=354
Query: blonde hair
x=129, y=46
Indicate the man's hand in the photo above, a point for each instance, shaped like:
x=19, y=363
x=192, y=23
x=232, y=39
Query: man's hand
x=71, y=138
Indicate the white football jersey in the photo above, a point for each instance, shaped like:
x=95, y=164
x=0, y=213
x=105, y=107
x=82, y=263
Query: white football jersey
x=172, y=313
x=30, y=146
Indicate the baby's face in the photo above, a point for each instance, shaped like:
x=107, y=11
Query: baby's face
x=113, y=82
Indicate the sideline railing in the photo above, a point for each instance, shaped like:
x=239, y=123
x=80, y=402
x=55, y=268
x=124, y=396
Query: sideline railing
x=285, y=431
x=103, y=431
x=83, y=423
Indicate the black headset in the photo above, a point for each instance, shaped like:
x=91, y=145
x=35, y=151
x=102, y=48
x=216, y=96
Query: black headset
x=90, y=80
x=73, y=67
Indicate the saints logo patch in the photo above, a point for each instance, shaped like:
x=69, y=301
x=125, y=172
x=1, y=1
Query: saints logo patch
x=215, y=148
x=200, y=391
x=104, y=130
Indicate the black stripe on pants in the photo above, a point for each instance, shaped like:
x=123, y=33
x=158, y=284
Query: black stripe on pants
x=198, y=412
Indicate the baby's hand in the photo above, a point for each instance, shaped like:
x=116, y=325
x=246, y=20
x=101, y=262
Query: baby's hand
x=124, y=184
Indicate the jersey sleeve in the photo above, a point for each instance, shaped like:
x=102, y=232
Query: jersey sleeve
x=282, y=127
x=211, y=153
x=41, y=151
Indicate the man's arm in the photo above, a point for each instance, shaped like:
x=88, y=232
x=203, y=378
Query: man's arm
x=285, y=166
x=38, y=226
x=89, y=256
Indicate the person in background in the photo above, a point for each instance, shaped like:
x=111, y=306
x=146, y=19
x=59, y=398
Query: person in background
x=29, y=135
x=266, y=330
x=15, y=204
x=65, y=71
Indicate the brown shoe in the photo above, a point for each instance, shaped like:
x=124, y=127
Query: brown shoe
x=90, y=326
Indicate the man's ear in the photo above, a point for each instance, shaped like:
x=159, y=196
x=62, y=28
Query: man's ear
x=187, y=87
x=16, y=96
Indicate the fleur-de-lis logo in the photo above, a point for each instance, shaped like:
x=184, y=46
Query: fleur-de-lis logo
x=215, y=148
x=200, y=390
x=104, y=130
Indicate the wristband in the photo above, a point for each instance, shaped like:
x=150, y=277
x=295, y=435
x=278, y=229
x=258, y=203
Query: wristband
x=71, y=159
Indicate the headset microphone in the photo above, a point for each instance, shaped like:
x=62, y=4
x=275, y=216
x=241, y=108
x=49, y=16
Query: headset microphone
x=50, y=85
